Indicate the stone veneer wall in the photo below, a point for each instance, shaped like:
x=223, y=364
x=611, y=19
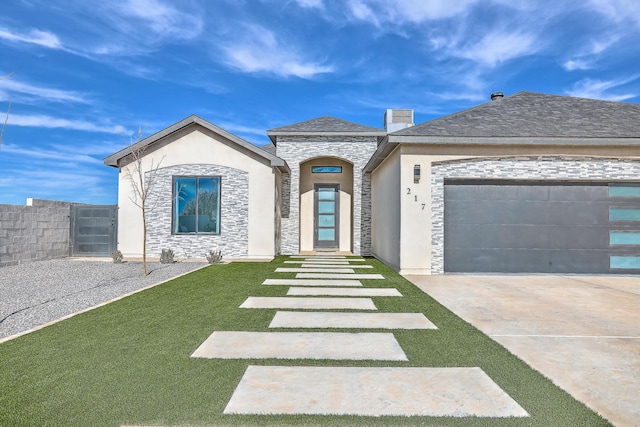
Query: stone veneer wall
x=34, y=232
x=365, y=223
x=525, y=167
x=233, y=239
x=297, y=149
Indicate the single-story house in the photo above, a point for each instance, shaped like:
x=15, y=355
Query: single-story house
x=528, y=183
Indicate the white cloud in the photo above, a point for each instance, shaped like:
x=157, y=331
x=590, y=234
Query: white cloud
x=577, y=64
x=161, y=18
x=40, y=153
x=50, y=94
x=491, y=49
x=42, y=121
x=588, y=58
x=398, y=12
x=599, y=89
x=497, y=47
x=37, y=37
x=242, y=129
x=256, y=50
x=618, y=10
x=310, y=4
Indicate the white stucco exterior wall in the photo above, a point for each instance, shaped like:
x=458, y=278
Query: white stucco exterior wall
x=415, y=215
x=201, y=147
x=385, y=211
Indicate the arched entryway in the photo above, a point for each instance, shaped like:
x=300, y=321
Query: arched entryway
x=326, y=205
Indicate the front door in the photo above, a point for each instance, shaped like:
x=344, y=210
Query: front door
x=326, y=216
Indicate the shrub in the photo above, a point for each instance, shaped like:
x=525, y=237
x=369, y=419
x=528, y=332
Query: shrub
x=117, y=257
x=214, y=256
x=166, y=257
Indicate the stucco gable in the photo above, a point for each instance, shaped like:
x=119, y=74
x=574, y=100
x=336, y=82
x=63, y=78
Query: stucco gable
x=193, y=120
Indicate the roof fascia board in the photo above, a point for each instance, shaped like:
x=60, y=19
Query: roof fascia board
x=325, y=133
x=385, y=148
x=507, y=140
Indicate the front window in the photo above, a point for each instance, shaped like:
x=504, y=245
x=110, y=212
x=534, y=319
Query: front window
x=196, y=205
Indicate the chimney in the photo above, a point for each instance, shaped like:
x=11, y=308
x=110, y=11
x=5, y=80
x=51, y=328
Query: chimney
x=397, y=119
x=497, y=95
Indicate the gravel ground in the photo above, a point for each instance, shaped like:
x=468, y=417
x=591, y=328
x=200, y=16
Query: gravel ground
x=40, y=292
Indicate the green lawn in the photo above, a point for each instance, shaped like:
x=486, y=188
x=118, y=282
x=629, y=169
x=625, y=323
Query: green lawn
x=128, y=362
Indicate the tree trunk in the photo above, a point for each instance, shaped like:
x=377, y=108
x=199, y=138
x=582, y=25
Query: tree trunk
x=144, y=242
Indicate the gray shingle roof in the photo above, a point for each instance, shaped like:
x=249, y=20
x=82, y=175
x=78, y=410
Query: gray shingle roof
x=269, y=148
x=323, y=125
x=529, y=114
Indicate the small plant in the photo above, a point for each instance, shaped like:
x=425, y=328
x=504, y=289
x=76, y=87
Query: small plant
x=117, y=257
x=166, y=257
x=214, y=256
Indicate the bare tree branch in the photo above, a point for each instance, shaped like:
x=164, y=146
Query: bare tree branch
x=142, y=187
x=4, y=126
x=6, y=119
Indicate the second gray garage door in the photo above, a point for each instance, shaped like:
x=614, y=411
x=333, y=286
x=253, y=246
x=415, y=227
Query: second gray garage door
x=539, y=227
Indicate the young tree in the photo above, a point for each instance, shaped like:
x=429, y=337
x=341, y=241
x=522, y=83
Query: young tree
x=142, y=184
x=6, y=118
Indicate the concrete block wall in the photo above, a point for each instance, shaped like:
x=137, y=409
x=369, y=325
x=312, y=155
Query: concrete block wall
x=37, y=231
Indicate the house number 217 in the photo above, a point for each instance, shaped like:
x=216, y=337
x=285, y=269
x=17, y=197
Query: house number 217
x=415, y=198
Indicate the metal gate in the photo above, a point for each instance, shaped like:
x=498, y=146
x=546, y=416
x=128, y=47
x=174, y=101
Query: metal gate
x=93, y=230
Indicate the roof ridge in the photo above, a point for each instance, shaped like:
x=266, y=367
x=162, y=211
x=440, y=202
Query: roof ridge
x=323, y=124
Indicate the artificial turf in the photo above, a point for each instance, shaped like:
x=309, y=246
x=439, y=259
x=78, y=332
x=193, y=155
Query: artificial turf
x=128, y=362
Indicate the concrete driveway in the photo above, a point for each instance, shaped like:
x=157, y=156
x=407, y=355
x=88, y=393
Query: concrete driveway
x=582, y=332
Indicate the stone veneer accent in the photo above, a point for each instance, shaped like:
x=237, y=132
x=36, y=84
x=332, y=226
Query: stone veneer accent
x=297, y=149
x=233, y=239
x=365, y=224
x=517, y=168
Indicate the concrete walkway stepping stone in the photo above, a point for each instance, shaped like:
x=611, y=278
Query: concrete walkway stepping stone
x=298, y=319
x=372, y=391
x=313, y=303
x=319, y=256
x=312, y=282
x=302, y=261
x=345, y=292
x=334, y=266
x=314, y=270
x=301, y=345
x=337, y=276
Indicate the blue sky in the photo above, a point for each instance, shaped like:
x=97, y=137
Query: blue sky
x=87, y=72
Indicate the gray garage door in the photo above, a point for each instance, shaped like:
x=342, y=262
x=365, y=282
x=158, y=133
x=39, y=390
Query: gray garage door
x=541, y=227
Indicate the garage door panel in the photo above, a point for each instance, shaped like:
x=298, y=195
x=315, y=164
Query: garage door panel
x=525, y=212
x=525, y=261
x=483, y=192
x=514, y=236
x=586, y=193
x=522, y=192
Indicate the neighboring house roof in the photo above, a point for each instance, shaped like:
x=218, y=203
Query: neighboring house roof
x=525, y=118
x=326, y=126
x=274, y=160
